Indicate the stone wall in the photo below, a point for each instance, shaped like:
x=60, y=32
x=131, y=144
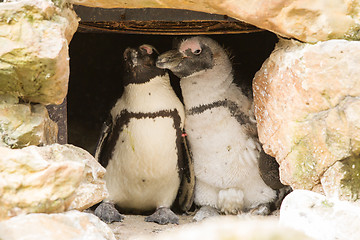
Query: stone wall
x=307, y=104
x=34, y=49
x=34, y=68
x=37, y=175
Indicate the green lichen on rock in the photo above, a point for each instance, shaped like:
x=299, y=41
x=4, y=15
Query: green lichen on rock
x=337, y=143
x=25, y=75
x=310, y=157
x=327, y=204
x=350, y=183
x=353, y=11
x=34, y=61
x=60, y=3
x=353, y=33
x=304, y=165
x=25, y=124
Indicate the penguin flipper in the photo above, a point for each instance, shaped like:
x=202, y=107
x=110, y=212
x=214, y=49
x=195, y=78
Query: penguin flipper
x=187, y=185
x=269, y=171
x=105, y=131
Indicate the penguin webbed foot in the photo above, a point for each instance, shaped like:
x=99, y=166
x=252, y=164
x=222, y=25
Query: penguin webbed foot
x=107, y=212
x=263, y=209
x=205, y=212
x=162, y=216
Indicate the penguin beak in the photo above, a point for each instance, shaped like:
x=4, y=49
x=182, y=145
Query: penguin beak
x=169, y=59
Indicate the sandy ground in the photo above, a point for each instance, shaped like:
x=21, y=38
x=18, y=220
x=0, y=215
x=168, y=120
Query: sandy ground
x=134, y=225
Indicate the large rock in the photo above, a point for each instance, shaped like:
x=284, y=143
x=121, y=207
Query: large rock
x=48, y=179
x=71, y=225
x=320, y=217
x=22, y=125
x=34, y=38
x=231, y=227
x=307, y=107
x=306, y=20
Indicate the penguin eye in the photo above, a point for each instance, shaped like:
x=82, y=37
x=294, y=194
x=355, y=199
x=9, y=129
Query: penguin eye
x=196, y=51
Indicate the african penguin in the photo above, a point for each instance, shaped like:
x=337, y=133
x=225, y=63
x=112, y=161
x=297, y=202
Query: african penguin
x=221, y=130
x=140, y=145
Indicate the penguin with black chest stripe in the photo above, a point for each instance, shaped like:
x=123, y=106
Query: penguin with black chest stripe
x=221, y=131
x=140, y=146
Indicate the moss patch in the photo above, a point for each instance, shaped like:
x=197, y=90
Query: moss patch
x=353, y=33
x=304, y=164
x=33, y=52
x=22, y=125
x=351, y=181
x=26, y=73
x=337, y=143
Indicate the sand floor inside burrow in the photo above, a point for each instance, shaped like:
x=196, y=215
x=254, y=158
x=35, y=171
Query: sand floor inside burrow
x=134, y=226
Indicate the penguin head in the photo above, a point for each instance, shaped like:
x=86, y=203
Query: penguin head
x=140, y=64
x=193, y=55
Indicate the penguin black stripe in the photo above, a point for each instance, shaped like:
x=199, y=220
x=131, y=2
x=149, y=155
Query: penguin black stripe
x=232, y=106
x=124, y=118
x=143, y=75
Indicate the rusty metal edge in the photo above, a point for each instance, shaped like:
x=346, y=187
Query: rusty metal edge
x=172, y=28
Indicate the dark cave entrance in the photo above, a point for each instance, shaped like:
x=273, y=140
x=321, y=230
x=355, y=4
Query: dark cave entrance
x=96, y=69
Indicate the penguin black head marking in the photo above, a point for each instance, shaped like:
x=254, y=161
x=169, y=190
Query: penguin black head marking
x=140, y=64
x=191, y=56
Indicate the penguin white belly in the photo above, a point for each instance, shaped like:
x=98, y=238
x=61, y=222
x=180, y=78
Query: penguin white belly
x=225, y=157
x=142, y=173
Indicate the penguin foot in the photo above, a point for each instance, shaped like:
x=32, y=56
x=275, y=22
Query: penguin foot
x=162, y=216
x=205, y=212
x=107, y=212
x=262, y=209
x=230, y=201
x=281, y=194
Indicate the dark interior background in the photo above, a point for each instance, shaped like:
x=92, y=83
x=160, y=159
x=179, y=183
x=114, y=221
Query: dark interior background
x=96, y=73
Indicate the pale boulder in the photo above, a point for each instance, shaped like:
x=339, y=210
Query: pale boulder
x=72, y=225
x=307, y=108
x=48, y=179
x=34, y=59
x=230, y=227
x=320, y=217
x=22, y=125
x=306, y=20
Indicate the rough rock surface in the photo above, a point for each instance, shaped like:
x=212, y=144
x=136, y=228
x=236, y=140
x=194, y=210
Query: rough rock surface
x=72, y=225
x=320, y=217
x=34, y=60
x=22, y=125
x=231, y=227
x=306, y=20
x=307, y=105
x=48, y=179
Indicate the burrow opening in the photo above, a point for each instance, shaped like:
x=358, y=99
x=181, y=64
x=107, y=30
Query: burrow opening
x=96, y=69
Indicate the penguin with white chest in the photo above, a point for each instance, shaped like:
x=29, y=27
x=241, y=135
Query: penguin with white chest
x=140, y=146
x=221, y=131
